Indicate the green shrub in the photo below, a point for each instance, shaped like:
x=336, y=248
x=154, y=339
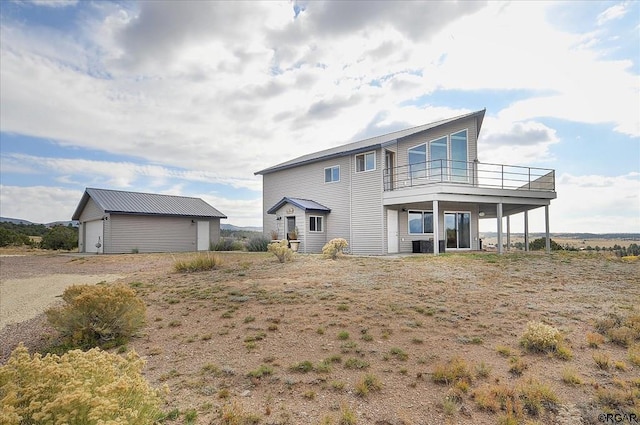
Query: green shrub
x=334, y=247
x=281, y=250
x=98, y=315
x=227, y=244
x=60, y=237
x=541, y=243
x=259, y=244
x=88, y=388
x=199, y=263
x=11, y=238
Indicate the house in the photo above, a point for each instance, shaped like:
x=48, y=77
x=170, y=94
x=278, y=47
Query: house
x=113, y=221
x=414, y=190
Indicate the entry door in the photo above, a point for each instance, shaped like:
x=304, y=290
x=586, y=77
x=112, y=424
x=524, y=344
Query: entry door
x=291, y=225
x=392, y=231
x=93, y=236
x=203, y=236
x=458, y=230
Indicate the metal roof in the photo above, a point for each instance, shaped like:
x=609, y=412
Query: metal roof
x=303, y=204
x=121, y=202
x=368, y=144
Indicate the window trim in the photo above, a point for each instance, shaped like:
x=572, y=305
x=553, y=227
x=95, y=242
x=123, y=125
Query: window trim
x=364, y=154
x=316, y=218
x=331, y=168
x=422, y=212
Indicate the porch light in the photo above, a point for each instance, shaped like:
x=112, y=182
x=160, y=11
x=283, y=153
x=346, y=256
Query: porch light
x=481, y=213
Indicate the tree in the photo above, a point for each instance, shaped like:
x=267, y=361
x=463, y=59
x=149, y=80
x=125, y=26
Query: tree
x=541, y=243
x=60, y=237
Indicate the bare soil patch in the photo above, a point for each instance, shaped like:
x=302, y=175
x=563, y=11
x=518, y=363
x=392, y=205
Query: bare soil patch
x=211, y=334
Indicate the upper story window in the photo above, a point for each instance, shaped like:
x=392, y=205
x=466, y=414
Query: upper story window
x=459, y=156
x=366, y=162
x=418, y=161
x=332, y=174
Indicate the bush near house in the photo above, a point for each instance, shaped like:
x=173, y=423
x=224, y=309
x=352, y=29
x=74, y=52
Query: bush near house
x=334, y=247
x=281, y=250
x=92, y=387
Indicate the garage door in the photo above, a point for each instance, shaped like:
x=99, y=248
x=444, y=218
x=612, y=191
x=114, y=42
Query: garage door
x=94, y=238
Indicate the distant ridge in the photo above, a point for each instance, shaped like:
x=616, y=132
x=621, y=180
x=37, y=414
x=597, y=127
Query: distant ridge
x=15, y=221
x=225, y=226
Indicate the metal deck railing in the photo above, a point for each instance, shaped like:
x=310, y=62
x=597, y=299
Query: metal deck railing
x=476, y=174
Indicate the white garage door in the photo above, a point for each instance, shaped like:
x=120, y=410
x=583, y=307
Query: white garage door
x=94, y=238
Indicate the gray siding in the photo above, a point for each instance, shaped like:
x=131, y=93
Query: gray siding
x=91, y=211
x=150, y=234
x=307, y=182
x=367, y=226
x=403, y=226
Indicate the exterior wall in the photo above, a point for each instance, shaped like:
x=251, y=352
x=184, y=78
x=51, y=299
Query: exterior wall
x=406, y=239
x=307, y=182
x=367, y=220
x=404, y=144
x=154, y=234
x=314, y=241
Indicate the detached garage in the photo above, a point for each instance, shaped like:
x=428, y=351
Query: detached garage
x=118, y=222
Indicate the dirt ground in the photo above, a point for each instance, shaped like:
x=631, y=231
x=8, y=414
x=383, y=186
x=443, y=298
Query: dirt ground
x=315, y=328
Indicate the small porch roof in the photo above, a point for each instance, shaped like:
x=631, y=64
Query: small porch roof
x=303, y=204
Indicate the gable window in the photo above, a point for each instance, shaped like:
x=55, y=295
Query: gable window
x=459, y=156
x=315, y=223
x=439, y=163
x=420, y=222
x=366, y=162
x=418, y=161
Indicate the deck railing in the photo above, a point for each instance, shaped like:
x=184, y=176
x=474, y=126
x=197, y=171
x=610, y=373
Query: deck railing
x=477, y=174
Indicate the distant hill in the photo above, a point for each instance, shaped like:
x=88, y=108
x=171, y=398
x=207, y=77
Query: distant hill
x=15, y=221
x=231, y=227
x=624, y=236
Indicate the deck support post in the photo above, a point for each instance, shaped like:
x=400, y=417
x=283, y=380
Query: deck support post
x=508, y=233
x=436, y=221
x=526, y=231
x=546, y=229
x=499, y=214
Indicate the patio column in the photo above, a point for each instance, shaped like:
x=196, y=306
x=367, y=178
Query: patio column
x=436, y=221
x=526, y=231
x=546, y=229
x=499, y=214
x=508, y=233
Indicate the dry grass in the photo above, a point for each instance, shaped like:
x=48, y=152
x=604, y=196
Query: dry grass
x=419, y=314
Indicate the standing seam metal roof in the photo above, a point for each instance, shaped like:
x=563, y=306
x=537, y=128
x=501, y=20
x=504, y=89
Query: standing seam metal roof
x=303, y=204
x=115, y=201
x=367, y=144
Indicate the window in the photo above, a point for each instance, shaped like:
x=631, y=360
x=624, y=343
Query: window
x=420, y=222
x=315, y=223
x=418, y=161
x=439, y=163
x=332, y=174
x=366, y=162
x=459, y=156
x=458, y=229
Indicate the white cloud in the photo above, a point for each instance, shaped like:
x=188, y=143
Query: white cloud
x=38, y=204
x=124, y=175
x=616, y=11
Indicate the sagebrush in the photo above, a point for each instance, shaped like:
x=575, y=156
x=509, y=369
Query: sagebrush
x=80, y=387
x=98, y=315
x=199, y=263
x=281, y=250
x=334, y=247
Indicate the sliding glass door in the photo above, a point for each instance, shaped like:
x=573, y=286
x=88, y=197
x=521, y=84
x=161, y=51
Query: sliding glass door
x=458, y=229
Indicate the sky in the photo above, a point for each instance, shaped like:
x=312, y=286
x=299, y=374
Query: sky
x=193, y=97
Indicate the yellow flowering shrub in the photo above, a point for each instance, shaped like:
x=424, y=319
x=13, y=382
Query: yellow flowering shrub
x=334, y=247
x=98, y=315
x=78, y=388
x=281, y=250
x=540, y=337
